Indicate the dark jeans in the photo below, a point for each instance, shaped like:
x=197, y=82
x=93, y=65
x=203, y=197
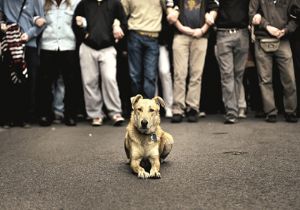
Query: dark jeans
x=54, y=63
x=143, y=55
x=33, y=64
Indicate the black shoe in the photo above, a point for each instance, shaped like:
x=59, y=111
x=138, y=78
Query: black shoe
x=44, y=121
x=177, y=118
x=230, y=119
x=272, y=118
x=6, y=125
x=25, y=124
x=69, y=121
x=291, y=117
x=192, y=115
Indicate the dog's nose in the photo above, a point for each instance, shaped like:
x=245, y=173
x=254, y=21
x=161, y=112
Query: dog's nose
x=144, y=123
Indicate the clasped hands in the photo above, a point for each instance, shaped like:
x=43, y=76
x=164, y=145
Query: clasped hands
x=278, y=33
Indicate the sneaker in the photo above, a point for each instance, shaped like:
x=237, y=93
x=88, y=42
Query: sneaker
x=291, y=117
x=97, y=121
x=202, y=114
x=192, y=115
x=25, y=124
x=70, y=121
x=58, y=119
x=272, y=118
x=242, y=113
x=45, y=121
x=176, y=118
x=6, y=126
x=230, y=119
x=117, y=120
x=169, y=113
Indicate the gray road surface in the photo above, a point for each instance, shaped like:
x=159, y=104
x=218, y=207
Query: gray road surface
x=249, y=165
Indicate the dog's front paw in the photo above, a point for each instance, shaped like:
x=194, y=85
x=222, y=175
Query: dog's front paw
x=154, y=174
x=143, y=175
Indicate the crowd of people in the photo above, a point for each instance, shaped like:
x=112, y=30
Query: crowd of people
x=88, y=57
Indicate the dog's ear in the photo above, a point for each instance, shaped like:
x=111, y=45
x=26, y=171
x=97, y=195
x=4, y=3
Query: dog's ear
x=135, y=99
x=159, y=101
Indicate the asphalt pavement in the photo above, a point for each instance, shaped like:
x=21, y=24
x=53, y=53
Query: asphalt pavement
x=248, y=165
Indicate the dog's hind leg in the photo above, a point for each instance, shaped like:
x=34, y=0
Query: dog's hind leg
x=166, y=145
x=126, y=147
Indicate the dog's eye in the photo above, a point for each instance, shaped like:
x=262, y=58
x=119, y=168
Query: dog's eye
x=151, y=110
x=140, y=109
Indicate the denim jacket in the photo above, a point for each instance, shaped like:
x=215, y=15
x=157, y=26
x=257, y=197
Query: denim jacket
x=58, y=33
x=32, y=8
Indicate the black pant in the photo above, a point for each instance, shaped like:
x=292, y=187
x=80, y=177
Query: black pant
x=19, y=99
x=54, y=63
x=295, y=44
x=33, y=63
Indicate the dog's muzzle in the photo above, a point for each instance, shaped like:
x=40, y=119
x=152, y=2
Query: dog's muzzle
x=144, y=124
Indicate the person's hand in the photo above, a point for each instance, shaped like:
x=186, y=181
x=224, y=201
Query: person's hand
x=256, y=19
x=281, y=34
x=3, y=27
x=40, y=22
x=198, y=32
x=274, y=31
x=79, y=21
x=209, y=19
x=172, y=16
x=187, y=30
x=118, y=33
x=24, y=37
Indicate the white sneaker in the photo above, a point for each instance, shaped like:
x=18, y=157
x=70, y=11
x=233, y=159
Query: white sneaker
x=169, y=113
x=97, y=121
x=118, y=120
x=202, y=114
x=242, y=113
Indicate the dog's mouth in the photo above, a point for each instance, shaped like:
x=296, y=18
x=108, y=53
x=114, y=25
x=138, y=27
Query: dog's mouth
x=143, y=129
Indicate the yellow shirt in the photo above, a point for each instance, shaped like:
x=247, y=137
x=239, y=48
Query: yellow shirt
x=143, y=15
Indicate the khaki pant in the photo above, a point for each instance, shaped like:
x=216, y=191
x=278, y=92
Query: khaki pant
x=284, y=61
x=189, y=57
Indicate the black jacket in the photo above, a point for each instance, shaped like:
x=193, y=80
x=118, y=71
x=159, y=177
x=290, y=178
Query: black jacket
x=277, y=15
x=100, y=18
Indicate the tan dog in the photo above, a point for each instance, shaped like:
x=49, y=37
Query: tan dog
x=145, y=140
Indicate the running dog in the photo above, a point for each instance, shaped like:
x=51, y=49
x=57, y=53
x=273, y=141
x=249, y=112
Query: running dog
x=145, y=140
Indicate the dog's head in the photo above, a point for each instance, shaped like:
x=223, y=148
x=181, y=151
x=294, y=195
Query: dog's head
x=145, y=113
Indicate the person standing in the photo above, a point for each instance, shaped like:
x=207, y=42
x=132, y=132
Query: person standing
x=271, y=19
x=232, y=46
x=58, y=54
x=144, y=24
x=92, y=24
x=295, y=44
x=189, y=51
x=164, y=66
x=21, y=99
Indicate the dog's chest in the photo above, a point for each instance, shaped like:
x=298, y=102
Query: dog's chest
x=147, y=147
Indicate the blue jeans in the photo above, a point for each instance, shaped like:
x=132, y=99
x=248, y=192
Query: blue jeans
x=143, y=55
